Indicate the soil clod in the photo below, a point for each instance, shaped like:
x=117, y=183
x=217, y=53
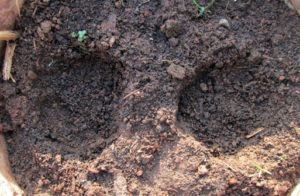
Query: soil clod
x=176, y=71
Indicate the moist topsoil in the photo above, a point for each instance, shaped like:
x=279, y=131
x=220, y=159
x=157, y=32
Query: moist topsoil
x=154, y=99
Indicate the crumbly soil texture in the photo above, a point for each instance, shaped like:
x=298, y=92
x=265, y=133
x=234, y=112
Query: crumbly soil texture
x=119, y=97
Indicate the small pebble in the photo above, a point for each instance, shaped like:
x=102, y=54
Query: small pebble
x=204, y=87
x=93, y=170
x=232, y=181
x=31, y=75
x=146, y=159
x=202, y=170
x=281, y=78
x=58, y=158
x=255, y=57
x=172, y=28
x=206, y=115
x=281, y=173
x=283, y=189
x=139, y=173
x=118, y=4
x=173, y=42
x=176, y=71
x=46, y=26
x=133, y=187
x=112, y=41
x=224, y=22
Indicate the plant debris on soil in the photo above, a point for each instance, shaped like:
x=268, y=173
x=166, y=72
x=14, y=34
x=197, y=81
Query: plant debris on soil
x=154, y=100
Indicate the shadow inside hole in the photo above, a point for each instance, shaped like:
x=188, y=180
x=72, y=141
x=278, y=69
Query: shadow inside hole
x=71, y=118
x=104, y=178
x=75, y=106
x=224, y=107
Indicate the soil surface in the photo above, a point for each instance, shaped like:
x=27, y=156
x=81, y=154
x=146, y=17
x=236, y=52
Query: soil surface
x=155, y=100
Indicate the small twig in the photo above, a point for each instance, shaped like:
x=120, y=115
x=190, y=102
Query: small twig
x=261, y=170
x=257, y=131
x=8, y=35
x=270, y=58
x=9, y=53
x=234, y=169
x=34, y=12
x=34, y=44
x=146, y=1
x=281, y=60
x=227, y=4
x=131, y=93
x=210, y=4
x=51, y=63
x=18, y=6
x=141, y=4
x=230, y=167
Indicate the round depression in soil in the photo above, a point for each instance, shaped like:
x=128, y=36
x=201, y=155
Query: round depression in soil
x=235, y=107
x=73, y=118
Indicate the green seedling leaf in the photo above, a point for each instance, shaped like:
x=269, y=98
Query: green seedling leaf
x=202, y=10
x=195, y=2
x=74, y=35
x=82, y=35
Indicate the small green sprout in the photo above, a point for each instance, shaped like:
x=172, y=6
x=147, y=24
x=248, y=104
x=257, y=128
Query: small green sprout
x=282, y=158
x=73, y=34
x=80, y=35
x=260, y=170
x=202, y=8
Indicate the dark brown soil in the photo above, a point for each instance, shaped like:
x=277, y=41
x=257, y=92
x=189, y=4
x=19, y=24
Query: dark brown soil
x=156, y=100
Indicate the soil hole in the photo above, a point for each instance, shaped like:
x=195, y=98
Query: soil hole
x=104, y=178
x=223, y=107
x=77, y=104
